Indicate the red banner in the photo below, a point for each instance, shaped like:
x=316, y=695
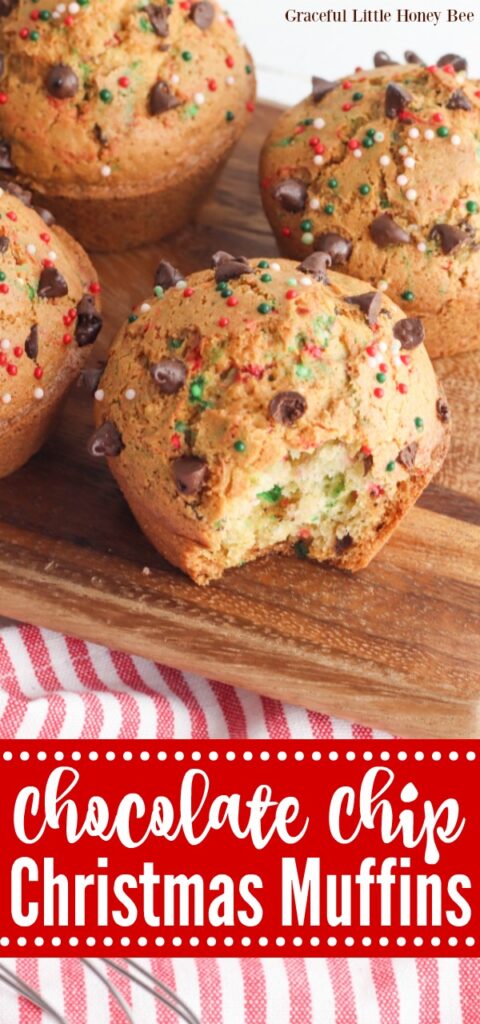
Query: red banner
x=239, y=848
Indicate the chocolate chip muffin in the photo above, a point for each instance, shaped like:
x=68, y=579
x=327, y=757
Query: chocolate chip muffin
x=381, y=171
x=119, y=114
x=265, y=406
x=48, y=321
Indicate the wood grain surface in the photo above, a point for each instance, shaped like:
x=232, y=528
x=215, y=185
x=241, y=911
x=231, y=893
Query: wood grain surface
x=397, y=646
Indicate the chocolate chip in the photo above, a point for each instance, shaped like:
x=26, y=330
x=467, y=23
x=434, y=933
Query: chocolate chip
x=287, y=407
x=4, y=243
x=343, y=543
x=167, y=276
x=291, y=194
x=316, y=265
x=158, y=17
x=89, y=322
x=448, y=237
x=31, y=344
x=412, y=58
x=46, y=215
x=385, y=231
x=228, y=267
x=52, y=285
x=90, y=378
x=320, y=88
x=396, y=99
x=161, y=99
x=190, y=474
x=382, y=59
x=338, y=248
x=370, y=303
x=367, y=464
x=6, y=163
x=61, y=82
x=407, y=456
x=203, y=14
x=459, y=63
x=459, y=101
x=22, y=194
x=170, y=375
x=99, y=135
x=410, y=332
x=106, y=441
x=7, y=6
x=443, y=411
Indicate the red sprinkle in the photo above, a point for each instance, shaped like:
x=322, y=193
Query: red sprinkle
x=314, y=141
x=176, y=440
x=250, y=106
x=124, y=82
x=232, y=301
x=95, y=289
x=34, y=16
x=3, y=98
x=291, y=294
x=45, y=237
x=3, y=359
x=224, y=321
x=378, y=392
x=347, y=106
x=383, y=368
x=371, y=350
x=212, y=85
x=402, y=388
x=187, y=293
x=24, y=33
x=287, y=232
x=320, y=149
x=12, y=370
x=68, y=20
x=347, y=85
x=405, y=360
x=4, y=289
x=18, y=352
x=437, y=118
x=73, y=313
x=229, y=61
x=67, y=339
x=12, y=215
x=38, y=373
x=353, y=144
x=449, y=68
x=365, y=450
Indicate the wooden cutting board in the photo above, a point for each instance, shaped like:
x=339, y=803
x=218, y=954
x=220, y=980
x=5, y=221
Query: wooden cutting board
x=397, y=647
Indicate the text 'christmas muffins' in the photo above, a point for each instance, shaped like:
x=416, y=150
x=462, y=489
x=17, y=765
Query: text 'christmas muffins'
x=264, y=406
x=381, y=171
x=48, y=322
x=120, y=112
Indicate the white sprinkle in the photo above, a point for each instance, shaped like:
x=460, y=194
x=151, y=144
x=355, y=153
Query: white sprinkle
x=38, y=393
x=180, y=285
x=130, y=394
x=21, y=281
x=61, y=8
x=145, y=307
x=55, y=15
x=402, y=180
x=384, y=160
x=379, y=136
x=413, y=133
x=73, y=8
x=372, y=364
x=314, y=204
x=429, y=134
x=455, y=140
x=403, y=151
x=5, y=345
x=52, y=256
x=411, y=195
x=199, y=99
x=6, y=398
x=357, y=153
x=383, y=346
x=175, y=79
x=383, y=285
x=99, y=395
x=397, y=361
x=319, y=122
x=146, y=571
x=230, y=80
x=422, y=246
x=275, y=266
x=106, y=171
x=409, y=162
x=307, y=281
x=31, y=249
x=318, y=160
x=396, y=346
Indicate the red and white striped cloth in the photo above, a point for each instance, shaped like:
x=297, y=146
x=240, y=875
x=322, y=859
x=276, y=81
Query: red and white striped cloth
x=54, y=687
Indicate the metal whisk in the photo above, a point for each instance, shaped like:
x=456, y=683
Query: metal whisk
x=136, y=974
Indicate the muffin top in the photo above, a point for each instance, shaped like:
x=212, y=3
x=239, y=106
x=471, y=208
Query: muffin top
x=223, y=376
x=47, y=303
x=105, y=93
x=382, y=170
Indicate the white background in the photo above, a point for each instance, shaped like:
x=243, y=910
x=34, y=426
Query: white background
x=287, y=55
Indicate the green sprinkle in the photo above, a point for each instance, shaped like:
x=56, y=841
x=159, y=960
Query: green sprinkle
x=304, y=372
x=418, y=422
x=196, y=389
x=2, y=275
x=292, y=281
x=44, y=15
x=301, y=549
x=408, y=296
x=357, y=96
x=180, y=427
x=368, y=142
x=266, y=278
x=263, y=265
x=364, y=190
x=306, y=225
x=187, y=56
x=381, y=377
x=158, y=291
x=132, y=318
x=106, y=96
x=240, y=446
x=34, y=36
x=442, y=131
x=390, y=467
x=271, y=496
x=471, y=206
x=332, y=183
x=227, y=293
x=175, y=343
x=308, y=238
x=371, y=132
x=329, y=208
x=248, y=69
x=229, y=116
x=264, y=308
